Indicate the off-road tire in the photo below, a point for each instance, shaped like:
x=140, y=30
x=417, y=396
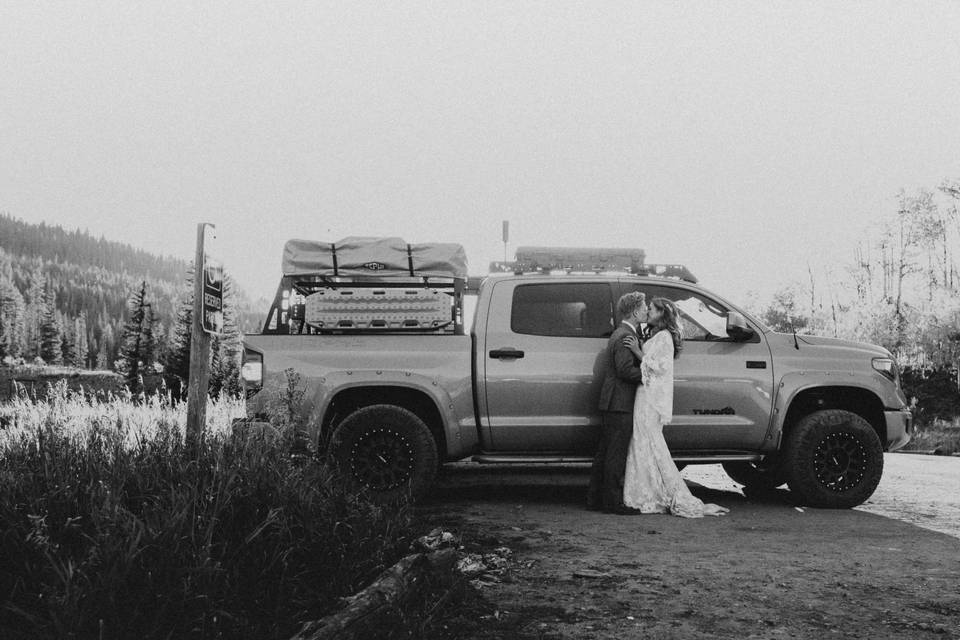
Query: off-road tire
x=768, y=473
x=386, y=452
x=834, y=459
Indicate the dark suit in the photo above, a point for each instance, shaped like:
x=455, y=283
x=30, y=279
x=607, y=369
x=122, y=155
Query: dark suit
x=620, y=379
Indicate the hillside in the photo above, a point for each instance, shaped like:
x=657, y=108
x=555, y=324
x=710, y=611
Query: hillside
x=82, y=283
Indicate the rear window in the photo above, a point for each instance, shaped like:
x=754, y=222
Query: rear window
x=567, y=310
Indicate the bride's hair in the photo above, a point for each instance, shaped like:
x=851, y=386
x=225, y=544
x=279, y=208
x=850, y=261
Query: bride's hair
x=669, y=320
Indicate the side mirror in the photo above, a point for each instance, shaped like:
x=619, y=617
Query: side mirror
x=737, y=327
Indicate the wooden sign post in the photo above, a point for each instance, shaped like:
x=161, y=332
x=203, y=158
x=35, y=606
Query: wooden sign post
x=207, y=320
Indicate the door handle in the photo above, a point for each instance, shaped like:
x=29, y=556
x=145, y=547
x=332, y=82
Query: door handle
x=506, y=353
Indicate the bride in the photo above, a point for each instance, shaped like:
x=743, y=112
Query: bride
x=653, y=483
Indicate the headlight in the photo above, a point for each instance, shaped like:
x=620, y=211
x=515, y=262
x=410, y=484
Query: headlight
x=886, y=366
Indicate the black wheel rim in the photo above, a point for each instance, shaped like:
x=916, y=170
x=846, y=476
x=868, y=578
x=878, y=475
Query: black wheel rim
x=840, y=461
x=382, y=459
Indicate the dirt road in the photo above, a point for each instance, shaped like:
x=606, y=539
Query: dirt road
x=767, y=570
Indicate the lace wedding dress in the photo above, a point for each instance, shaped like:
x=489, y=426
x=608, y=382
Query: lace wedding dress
x=653, y=483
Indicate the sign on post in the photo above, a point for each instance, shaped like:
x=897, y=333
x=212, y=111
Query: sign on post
x=211, y=317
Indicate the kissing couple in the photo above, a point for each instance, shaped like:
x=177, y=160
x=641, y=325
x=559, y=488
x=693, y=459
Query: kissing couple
x=633, y=471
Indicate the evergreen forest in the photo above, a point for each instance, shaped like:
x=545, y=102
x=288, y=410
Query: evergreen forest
x=68, y=298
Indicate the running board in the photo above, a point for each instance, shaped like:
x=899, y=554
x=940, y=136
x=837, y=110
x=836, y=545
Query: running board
x=485, y=458
x=717, y=458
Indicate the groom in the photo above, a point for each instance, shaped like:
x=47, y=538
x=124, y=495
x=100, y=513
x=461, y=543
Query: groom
x=620, y=380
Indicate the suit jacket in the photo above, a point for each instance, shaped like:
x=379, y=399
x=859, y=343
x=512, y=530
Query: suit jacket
x=622, y=374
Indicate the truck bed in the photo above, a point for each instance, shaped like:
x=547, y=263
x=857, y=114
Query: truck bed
x=329, y=366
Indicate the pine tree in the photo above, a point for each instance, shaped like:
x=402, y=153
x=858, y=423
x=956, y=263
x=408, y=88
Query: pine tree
x=11, y=320
x=177, y=363
x=226, y=348
x=68, y=344
x=136, y=342
x=50, y=349
x=149, y=337
x=82, y=340
x=33, y=313
x=105, y=350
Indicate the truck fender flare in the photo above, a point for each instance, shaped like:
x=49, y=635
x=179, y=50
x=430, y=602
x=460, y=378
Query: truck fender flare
x=422, y=385
x=792, y=385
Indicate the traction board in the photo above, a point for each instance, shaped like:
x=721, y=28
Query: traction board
x=374, y=308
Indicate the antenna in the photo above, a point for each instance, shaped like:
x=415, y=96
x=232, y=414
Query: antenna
x=506, y=238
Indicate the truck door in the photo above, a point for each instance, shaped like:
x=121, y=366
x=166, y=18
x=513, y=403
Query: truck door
x=542, y=364
x=723, y=391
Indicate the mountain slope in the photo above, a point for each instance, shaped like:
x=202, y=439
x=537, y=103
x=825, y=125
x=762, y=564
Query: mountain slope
x=83, y=283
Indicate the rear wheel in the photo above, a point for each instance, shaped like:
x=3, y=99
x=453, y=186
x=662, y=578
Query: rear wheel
x=386, y=451
x=834, y=459
x=768, y=473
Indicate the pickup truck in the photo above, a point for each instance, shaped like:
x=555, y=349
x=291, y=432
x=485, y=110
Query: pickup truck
x=390, y=399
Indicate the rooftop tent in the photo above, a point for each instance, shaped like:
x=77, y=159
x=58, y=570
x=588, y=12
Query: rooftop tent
x=355, y=256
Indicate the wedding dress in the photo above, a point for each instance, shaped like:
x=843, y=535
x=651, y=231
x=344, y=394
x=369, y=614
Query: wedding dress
x=652, y=483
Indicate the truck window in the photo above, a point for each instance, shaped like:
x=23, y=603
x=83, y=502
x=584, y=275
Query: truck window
x=700, y=317
x=570, y=310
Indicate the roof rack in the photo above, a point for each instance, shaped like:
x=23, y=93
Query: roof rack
x=678, y=271
x=588, y=260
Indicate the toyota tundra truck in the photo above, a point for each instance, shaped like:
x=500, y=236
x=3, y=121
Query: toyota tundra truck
x=397, y=379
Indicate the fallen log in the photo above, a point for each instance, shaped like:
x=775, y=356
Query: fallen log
x=375, y=611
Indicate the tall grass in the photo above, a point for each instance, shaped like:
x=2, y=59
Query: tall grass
x=111, y=528
x=940, y=436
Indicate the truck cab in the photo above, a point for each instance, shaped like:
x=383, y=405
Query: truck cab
x=541, y=362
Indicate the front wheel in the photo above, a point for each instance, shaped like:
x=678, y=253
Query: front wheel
x=386, y=451
x=834, y=459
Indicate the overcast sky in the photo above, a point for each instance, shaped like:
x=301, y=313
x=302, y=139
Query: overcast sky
x=742, y=139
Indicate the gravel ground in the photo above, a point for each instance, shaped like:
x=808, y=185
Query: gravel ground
x=770, y=569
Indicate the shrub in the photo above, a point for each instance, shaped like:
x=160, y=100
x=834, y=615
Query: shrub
x=936, y=392
x=939, y=436
x=111, y=528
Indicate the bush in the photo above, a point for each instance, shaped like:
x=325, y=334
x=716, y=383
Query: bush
x=940, y=437
x=112, y=528
x=936, y=393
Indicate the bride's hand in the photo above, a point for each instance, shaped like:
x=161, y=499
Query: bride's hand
x=632, y=343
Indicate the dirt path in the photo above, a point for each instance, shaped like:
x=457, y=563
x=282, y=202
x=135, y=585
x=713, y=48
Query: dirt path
x=768, y=570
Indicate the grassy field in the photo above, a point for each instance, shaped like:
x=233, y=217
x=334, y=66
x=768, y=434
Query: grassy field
x=112, y=528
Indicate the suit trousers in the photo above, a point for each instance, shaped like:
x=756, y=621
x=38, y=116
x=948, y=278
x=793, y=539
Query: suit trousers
x=610, y=461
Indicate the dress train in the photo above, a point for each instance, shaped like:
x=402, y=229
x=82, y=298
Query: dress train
x=652, y=483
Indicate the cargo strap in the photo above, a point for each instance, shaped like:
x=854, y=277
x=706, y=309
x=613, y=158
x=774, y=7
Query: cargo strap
x=410, y=260
x=333, y=251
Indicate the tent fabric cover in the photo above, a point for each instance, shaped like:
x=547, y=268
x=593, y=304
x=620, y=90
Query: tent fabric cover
x=355, y=256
